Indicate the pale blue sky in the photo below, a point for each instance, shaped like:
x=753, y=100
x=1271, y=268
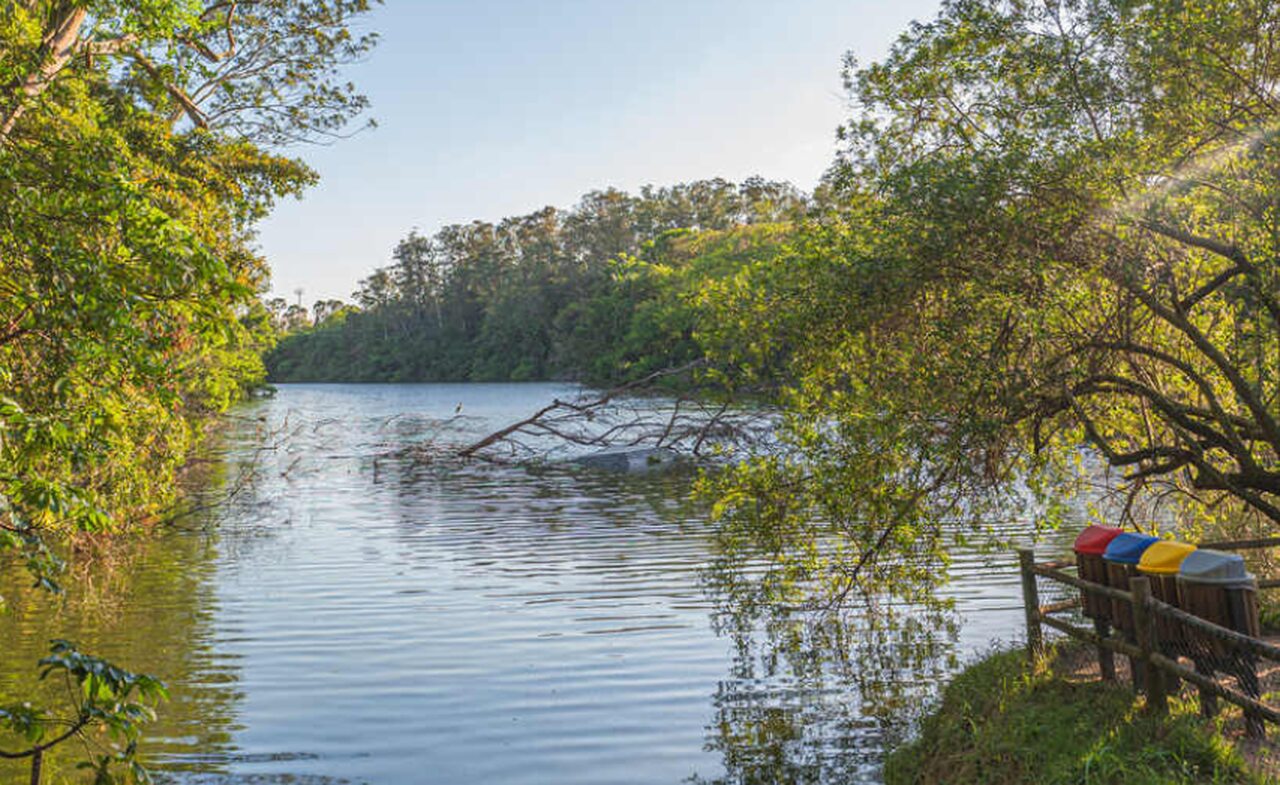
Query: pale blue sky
x=489, y=108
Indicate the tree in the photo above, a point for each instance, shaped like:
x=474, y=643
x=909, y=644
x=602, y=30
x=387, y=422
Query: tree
x=1053, y=228
x=603, y=291
x=135, y=161
x=262, y=70
x=324, y=310
x=420, y=271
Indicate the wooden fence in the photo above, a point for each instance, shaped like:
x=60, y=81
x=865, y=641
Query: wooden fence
x=1164, y=644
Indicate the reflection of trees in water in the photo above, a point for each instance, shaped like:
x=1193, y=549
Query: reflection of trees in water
x=814, y=696
x=148, y=604
x=542, y=496
x=811, y=697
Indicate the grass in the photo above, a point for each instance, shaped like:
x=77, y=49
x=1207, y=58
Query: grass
x=1003, y=721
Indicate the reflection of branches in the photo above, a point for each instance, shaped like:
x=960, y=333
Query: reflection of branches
x=809, y=699
x=247, y=473
x=829, y=588
x=619, y=417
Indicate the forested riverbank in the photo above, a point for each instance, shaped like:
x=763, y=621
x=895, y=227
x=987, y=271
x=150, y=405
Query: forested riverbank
x=608, y=291
x=1043, y=266
x=140, y=146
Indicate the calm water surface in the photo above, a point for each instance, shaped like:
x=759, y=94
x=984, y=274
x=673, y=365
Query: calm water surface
x=357, y=617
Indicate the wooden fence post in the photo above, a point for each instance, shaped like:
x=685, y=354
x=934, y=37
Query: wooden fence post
x=1144, y=628
x=1031, y=600
x=1245, y=663
x=1106, y=658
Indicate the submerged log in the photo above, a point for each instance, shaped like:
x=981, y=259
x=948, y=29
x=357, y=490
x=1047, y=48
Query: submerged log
x=629, y=459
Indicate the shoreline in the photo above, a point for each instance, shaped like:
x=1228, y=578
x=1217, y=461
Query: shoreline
x=1003, y=720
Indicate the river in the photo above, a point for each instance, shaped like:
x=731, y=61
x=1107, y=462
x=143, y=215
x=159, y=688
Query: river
x=351, y=616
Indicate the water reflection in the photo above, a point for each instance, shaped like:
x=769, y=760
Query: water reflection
x=815, y=696
x=151, y=606
x=359, y=615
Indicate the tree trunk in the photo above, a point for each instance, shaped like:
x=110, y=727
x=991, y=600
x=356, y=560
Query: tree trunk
x=60, y=45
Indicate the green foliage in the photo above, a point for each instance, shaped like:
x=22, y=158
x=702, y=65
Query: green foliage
x=110, y=706
x=1002, y=722
x=605, y=292
x=134, y=166
x=128, y=308
x=1052, y=225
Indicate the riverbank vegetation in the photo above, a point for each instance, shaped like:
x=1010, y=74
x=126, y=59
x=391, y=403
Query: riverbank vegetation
x=603, y=292
x=136, y=156
x=1004, y=721
x=1049, y=226
x=139, y=146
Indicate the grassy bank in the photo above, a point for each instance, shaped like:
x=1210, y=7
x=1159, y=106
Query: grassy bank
x=1002, y=721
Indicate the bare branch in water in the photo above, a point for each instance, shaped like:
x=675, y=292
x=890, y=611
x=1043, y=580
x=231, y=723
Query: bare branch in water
x=247, y=473
x=622, y=418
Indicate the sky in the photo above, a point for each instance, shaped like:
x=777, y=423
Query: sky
x=491, y=108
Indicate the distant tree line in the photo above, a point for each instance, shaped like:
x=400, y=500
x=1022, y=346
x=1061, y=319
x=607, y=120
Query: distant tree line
x=601, y=292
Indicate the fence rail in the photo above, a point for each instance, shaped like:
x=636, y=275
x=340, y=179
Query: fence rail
x=1165, y=644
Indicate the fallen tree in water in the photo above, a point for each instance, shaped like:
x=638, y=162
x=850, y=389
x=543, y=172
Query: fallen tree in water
x=640, y=419
x=629, y=418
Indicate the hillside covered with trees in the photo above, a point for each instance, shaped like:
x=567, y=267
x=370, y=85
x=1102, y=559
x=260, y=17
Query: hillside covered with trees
x=604, y=291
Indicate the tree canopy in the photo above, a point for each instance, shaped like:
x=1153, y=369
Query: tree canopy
x=603, y=292
x=1056, y=228
x=140, y=143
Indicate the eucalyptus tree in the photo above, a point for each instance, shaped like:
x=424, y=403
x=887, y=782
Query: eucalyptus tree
x=420, y=271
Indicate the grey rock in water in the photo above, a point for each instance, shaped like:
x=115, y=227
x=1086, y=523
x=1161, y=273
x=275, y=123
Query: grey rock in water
x=629, y=459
